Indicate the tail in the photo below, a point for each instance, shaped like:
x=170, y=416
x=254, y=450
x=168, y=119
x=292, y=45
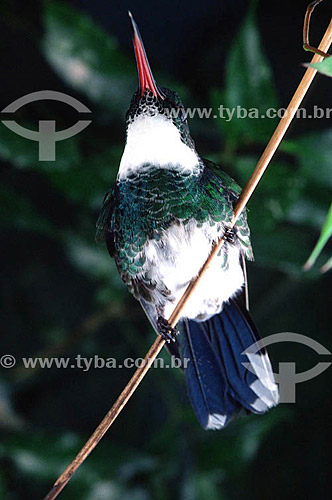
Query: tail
x=219, y=383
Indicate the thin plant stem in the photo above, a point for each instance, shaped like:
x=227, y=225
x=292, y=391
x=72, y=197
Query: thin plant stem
x=156, y=347
x=306, y=26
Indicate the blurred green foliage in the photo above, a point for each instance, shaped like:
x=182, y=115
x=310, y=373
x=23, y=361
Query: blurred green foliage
x=247, y=63
x=63, y=296
x=323, y=239
x=324, y=67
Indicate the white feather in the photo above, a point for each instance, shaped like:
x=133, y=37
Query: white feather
x=216, y=421
x=155, y=140
x=177, y=259
x=265, y=386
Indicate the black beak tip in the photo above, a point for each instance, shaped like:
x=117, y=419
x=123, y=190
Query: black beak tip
x=132, y=22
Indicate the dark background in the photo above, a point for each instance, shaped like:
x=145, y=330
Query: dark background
x=61, y=294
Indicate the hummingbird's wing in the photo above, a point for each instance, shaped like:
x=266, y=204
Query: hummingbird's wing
x=105, y=232
x=233, y=190
x=104, y=222
x=225, y=178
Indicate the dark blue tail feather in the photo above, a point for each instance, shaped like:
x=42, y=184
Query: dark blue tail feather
x=219, y=385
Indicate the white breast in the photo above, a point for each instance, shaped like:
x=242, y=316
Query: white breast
x=155, y=140
x=176, y=260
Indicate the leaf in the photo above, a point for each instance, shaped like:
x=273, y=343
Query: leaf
x=324, y=67
x=249, y=88
x=323, y=238
x=284, y=249
x=314, y=154
x=327, y=266
x=279, y=189
x=286, y=194
x=86, y=57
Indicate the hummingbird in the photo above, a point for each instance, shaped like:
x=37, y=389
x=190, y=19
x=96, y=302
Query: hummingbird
x=160, y=219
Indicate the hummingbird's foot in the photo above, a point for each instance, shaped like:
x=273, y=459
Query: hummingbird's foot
x=229, y=235
x=167, y=332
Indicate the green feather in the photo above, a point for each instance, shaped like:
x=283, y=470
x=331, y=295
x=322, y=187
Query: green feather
x=146, y=203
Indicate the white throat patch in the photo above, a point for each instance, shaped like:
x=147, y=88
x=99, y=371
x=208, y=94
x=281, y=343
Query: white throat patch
x=155, y=140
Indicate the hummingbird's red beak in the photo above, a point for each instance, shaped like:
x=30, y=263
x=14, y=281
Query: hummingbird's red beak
x=146, y=80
